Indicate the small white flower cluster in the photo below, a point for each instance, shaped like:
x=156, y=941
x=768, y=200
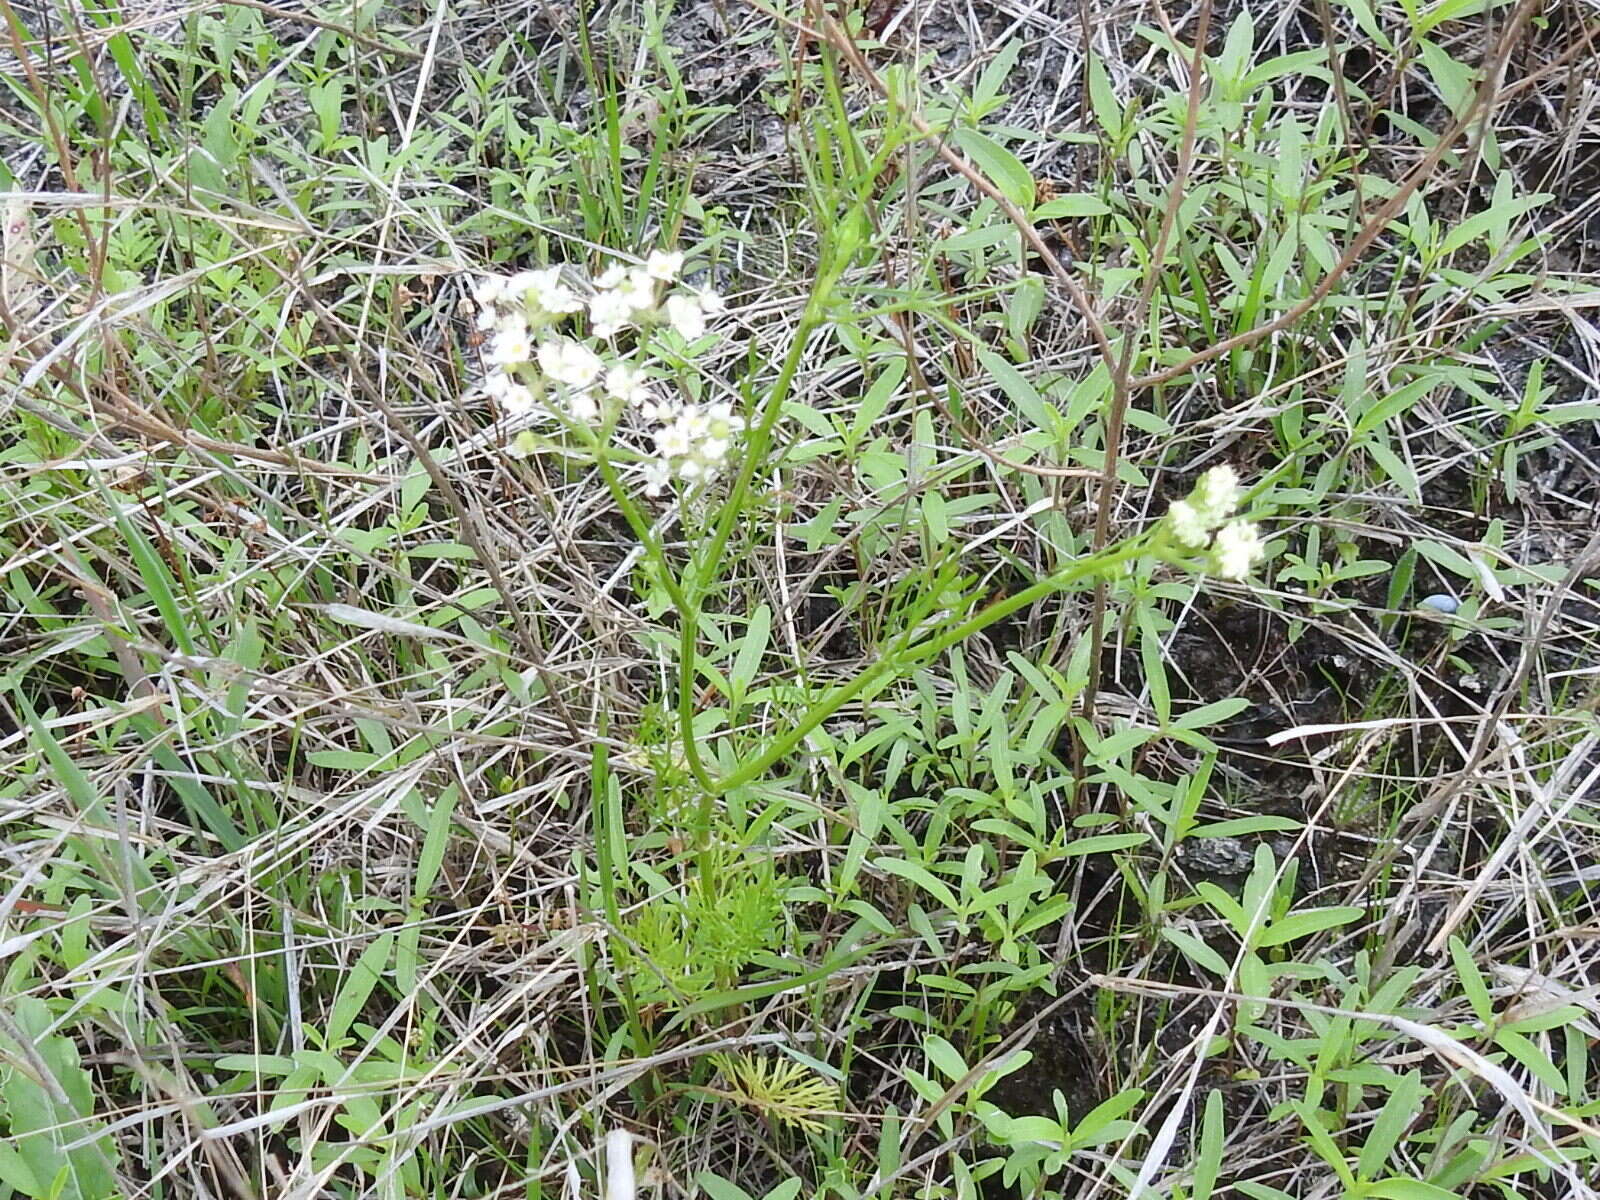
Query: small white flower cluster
x=1192, y=522
x=592, y=378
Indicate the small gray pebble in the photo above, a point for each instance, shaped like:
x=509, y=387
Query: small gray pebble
x=1441, y=602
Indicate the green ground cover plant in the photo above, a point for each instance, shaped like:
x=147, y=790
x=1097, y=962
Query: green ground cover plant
x=832, y=599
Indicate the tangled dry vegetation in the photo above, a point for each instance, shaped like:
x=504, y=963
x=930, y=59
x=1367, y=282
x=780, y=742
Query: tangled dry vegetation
x=399, y=796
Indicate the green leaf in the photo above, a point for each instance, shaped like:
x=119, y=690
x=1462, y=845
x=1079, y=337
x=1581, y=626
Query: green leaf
x=922, y=877
x=1453, y=79
x=1022, y=394
x=1405, y=570
x=1452, y=10
x=1241, y=826
x=1105, y=842
x=1535, y=1059
x=1230, y=66
x=1106, y=1116
x=1075, y=204
x=1472, y=981
x=158, y=581
x=15, y=1173
x=1209, y=1160
x=1408, y=1189
x=945, y=1056
x=1197, y=951
x=1152, y=654
x=256, y=1064
x=1327, y=1149
x=358, y=985
x=1260, y=1191
x=1402, y=1107
x=1231, y=910
x=1299, y=925
x=1562, y=414
x=1004, y=169
x=751, y=651
x=1479, y=224
x=46, y=1118
x=719, y=1188
x=1450, y=559
x=431, y=857
x=986, y=95
x=1211, y=714
x=1103, y=99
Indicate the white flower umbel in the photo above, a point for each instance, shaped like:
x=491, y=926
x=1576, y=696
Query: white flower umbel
x=583, y=406
x=626, y=383
x=1216, y=496
x=711, y=303
x=1214, y=499
x=569, y=362
x=610, y=312
x=638, y=289
x=1238, y=549
x=544, y=292
x=673, y=441
x=663, y=265
x=511, y=346
x=694, y=446
x=486, y=292
x=514, y=396
x=594, y=372
x=1203, y=520
x=657, y=474
x=625, y=296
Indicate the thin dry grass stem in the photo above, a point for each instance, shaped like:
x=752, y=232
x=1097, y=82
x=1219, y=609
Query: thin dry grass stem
x=467, y=520
x=1121, y=394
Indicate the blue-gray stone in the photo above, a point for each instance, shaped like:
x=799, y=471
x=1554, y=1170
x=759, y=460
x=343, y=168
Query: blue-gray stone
x=1441, y=602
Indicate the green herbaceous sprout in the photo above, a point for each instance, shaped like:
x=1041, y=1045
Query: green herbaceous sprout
x=552, y=351
x=1201, y=521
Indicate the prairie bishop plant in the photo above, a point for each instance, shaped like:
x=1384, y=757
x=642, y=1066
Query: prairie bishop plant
x=599, y=358
x=603, y=361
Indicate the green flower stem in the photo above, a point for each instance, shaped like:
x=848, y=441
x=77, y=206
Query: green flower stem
x=755, y=450
x=895, y=661
x=688, y=614
x=688, y=593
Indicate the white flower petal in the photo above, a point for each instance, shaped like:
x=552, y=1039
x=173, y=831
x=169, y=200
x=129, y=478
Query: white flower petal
x=686, y=316
x=569, y=362
x=663, y=265
x=583, y=407
x=657, y=474
x=609, y=313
